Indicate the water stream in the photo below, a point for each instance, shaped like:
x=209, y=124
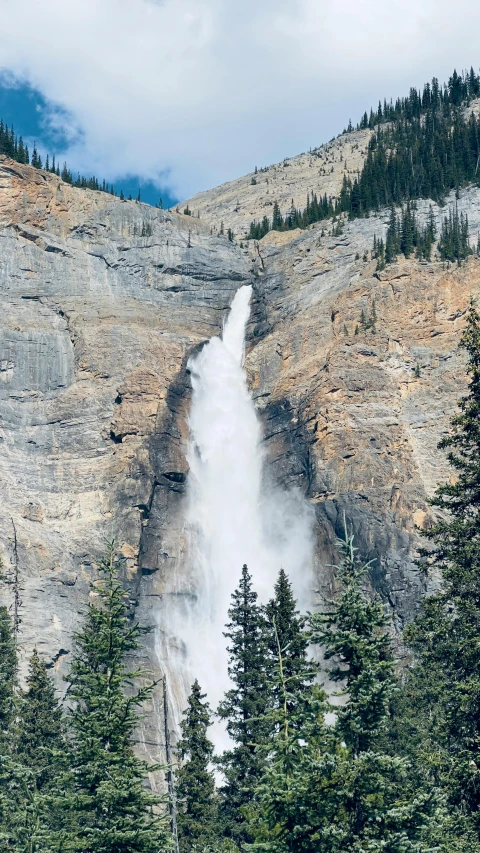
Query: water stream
x=232, y=515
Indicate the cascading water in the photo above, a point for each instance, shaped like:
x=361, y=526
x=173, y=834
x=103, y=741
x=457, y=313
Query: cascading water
x=231, y=516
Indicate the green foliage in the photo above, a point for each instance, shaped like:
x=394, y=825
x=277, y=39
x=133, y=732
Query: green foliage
x=424, y=146
x=378, y=252
x=40, y=741
x=454, y=244
x=316, y=210
x=333, y=788
x=404, y=235
x=422, y=156
x=8, y=673
x=243, y=706
x=8, y=767
x=368, y=321
x=445, y=634
x=115, y=813
x=197, y=803
x=13, y=146
x=286, y=630
x=41, y=772
x=353, y=633
x=259, y=229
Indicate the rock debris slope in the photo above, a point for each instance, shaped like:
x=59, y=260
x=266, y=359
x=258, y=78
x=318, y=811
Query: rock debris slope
x=103, y=301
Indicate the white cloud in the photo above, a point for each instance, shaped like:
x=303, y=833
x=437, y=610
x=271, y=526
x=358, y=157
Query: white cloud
x=209, y=88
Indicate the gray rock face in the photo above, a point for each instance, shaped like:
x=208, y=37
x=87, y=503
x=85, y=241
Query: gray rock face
x=103, y=302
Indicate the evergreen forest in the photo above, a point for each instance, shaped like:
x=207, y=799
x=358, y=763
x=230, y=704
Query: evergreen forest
x=423, y=146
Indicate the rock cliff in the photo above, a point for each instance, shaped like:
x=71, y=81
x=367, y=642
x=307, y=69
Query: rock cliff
x=103, y=301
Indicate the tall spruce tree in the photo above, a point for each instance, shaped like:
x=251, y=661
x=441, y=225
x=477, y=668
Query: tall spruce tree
x=115, y=812
x=8, y=674
x=243, y=706
x=392, y=242
x=286, y=631
x=41, y=752
x=295, y=803
x=445, y=634
x=197, y=805
x=367, y=804
x=40, y=741
x=353, y=633
x=9, y=776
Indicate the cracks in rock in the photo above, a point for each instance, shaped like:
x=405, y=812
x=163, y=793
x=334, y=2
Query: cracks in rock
x=144, y=510
x=40, y=240
x=60, y=654
x=175, y=476
x=293, y=457
x=102, y=258
x=63, y=314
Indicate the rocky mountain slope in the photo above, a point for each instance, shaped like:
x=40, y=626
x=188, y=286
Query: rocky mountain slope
x=103, y=301
x=236, y=203
x=322, y=170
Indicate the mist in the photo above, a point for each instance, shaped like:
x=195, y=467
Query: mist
x=233, y=514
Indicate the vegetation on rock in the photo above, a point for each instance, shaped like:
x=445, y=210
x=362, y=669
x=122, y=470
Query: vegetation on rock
x=13, y=146
x=424, y=146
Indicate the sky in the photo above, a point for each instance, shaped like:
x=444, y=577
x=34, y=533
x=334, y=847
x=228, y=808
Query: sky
x=182, y=95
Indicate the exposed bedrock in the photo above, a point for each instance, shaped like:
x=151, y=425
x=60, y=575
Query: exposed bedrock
x=102, y=304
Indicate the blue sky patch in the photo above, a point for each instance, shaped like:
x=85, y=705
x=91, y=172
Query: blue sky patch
x=53, y=131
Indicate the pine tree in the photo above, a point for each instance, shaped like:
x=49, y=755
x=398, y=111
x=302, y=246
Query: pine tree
x=378, y=807
x=8, y=673
x=8, y=769
x=408, y=233
x=115, y=812
x=43, y=768
x=391, y=244
x=286, y=629
x=335, y=788
x=379, y=253
x=243, y=706
x=353, y=633
x=445, y=635
x=295, y=804
x=40, y=740
x=197, y=804
x=453, y=244
x=277, y=219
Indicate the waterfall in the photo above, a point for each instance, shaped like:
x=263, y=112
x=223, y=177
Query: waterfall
x=232, y=516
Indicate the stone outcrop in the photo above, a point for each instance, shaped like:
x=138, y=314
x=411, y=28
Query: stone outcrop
x=102, y=303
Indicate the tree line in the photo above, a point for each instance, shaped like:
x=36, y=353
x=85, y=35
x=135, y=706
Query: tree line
x=460, y=89
x=424, y=147
x=406, y=236
x=387, y=763
x=13, y=146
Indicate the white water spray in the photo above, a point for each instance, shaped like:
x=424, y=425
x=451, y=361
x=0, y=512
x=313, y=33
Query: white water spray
x=232, y=517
